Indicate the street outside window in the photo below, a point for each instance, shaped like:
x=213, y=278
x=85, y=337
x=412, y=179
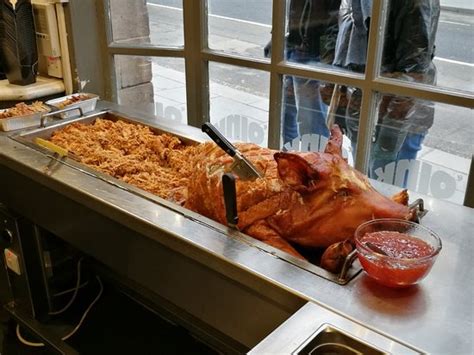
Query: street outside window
x=431, y=142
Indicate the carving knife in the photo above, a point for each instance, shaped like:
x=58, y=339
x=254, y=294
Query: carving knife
x=230, y=200
x=241, y=166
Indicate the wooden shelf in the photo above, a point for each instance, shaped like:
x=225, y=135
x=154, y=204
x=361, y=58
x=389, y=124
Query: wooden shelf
x=44, y=86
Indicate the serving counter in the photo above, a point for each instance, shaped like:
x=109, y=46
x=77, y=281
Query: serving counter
x=228, y=288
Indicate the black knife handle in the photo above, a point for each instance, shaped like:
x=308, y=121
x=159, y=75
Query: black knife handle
x=230, y=199
x=217, y=137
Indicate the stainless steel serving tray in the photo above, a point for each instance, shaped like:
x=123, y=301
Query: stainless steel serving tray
x=27, y=138
x=87, y=105
x=22, y=122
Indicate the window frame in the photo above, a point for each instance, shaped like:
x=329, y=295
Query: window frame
x=197, y=56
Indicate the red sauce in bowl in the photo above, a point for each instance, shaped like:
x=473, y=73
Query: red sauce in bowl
x=401, y=266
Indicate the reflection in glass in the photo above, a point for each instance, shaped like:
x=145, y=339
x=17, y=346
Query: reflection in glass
x=155, y=22
x=409, y=42
x=239, y=102
x=169, y=86
x=423, y=146
x=327, y=34
x=241, y=27
x=308, y=109
x=429, y=44
x=417, y=144
x=304, y=112
x=402, y=125
x=153, y=85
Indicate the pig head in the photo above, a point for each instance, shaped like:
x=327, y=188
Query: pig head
x=334, y=200
x=308, y=199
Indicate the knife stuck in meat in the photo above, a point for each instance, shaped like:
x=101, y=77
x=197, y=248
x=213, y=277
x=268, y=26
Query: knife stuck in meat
x=230, y=200
x=241, y=166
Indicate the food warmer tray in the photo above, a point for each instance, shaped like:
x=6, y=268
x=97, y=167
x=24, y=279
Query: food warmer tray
x=28, y=138
x=86, y=106
x=22, y=122
x=219, y=285
x=351, y=268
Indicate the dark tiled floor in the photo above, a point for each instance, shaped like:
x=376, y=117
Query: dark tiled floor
x=117, y=325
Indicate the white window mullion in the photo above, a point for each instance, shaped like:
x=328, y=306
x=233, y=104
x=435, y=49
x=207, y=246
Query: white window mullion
x=423, y=92
x=197, y=69
x=367, y=109
x=276, y=79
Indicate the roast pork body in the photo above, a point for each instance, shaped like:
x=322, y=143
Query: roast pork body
x=308, y=199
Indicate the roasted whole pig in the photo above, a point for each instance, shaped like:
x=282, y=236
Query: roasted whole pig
x=312, y=200
x=307, y=199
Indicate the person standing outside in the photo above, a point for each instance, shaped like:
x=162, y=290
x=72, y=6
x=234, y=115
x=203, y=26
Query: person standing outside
x=312, y=33
x=409, y=49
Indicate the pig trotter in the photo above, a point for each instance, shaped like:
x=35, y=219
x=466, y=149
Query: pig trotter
x=334, y=256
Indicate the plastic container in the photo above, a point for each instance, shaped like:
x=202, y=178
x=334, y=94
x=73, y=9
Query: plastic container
x=87, y=105
x=396, y=253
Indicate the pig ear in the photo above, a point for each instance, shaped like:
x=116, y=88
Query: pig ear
x=401, y=197
x=295, y=171
x=334, y=145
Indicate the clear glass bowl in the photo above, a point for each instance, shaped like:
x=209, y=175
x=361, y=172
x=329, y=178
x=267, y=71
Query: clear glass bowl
x=395, y=252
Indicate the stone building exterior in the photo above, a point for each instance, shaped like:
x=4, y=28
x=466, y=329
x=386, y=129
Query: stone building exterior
x=130, y=23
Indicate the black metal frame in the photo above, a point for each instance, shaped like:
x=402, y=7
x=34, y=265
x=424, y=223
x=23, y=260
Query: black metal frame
x=26, y=297
x=469, y=197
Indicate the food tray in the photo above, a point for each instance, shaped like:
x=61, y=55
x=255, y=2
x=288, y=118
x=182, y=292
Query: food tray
x=353, y=267
x=87, y=105
x=21, y=122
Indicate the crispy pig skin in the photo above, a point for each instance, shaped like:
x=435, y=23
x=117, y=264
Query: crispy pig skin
x=309, y=199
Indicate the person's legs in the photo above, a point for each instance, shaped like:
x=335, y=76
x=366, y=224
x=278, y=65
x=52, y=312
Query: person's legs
x=290, y=124
x=411, y=146
x=408, y=153
x=311, y=110
x=352, y=114
x=385, y=149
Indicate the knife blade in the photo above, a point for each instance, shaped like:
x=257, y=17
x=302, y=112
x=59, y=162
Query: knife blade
x=241, y=166
x=230, y=200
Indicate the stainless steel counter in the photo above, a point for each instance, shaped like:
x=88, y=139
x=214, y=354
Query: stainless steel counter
x=435, y=316
x=295, y=334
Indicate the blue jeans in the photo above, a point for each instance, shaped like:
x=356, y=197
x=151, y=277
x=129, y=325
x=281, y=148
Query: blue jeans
x=393, y=142
x=411, y=146
x=290, y=124
x=310, y=114
x=409, y=149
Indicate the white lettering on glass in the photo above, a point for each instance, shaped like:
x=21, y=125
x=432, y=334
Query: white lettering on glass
x=421, y=177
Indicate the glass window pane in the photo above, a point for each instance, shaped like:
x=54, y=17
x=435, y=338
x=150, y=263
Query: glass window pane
x=424, y=146
x=154, y=85
x=155, y=22
x=239, y=102
x=327, y=34
x=309, y=106
x=169, y=84
x=430, y=44
x=241, y=27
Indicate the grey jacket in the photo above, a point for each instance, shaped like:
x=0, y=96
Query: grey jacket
x=409, y=49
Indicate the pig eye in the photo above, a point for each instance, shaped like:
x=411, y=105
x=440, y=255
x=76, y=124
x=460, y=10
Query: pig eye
x=343, y=193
